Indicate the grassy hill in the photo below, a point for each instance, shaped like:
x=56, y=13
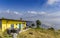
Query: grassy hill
x=35, y=33
x=39, y=33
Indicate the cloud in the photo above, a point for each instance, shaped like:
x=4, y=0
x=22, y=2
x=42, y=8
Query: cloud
x=16, y=12
x=12, y=12
x=35, y=12
x=32, y=12
x=51, y=2
x=5, y=11
x=43, y=13
x=54, y=14
x=8, y=11
x=52, y=18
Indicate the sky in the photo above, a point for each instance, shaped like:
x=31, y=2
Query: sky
x=48, y=11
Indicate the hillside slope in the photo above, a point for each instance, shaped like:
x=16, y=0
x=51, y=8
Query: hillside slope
x=39, y=33
x=35, y=33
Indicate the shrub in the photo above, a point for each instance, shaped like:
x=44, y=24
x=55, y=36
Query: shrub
x=51, y=28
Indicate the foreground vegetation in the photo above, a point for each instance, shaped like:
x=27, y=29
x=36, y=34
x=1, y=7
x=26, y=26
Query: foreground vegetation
x=34, y=33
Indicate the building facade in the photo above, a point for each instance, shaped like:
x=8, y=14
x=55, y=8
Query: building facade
x=12, y=24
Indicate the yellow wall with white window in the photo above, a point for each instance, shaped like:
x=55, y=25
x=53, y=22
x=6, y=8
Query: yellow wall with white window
x=6, y=24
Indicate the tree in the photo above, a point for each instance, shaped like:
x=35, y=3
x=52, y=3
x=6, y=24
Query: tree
x=38, y=23
x=3, y=18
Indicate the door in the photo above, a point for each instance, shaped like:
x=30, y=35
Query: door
x=19, y=26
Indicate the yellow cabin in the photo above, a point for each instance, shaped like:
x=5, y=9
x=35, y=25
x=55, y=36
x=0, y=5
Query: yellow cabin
x=11, y=23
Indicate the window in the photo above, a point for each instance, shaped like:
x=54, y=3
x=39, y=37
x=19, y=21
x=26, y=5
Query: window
x=23, y=25
x=12, y=26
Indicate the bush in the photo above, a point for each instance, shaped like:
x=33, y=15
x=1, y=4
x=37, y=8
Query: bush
x=30, y=26
x=33, y=25
x=51, y=28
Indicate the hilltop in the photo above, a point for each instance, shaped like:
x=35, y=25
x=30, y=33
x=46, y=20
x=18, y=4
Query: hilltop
x=39, y=33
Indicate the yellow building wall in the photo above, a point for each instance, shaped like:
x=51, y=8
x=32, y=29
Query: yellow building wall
x=6, y=24
x=3, y=25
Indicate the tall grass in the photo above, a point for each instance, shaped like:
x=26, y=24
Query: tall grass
x=4, y=34
x=39, y=33
x=34, y=33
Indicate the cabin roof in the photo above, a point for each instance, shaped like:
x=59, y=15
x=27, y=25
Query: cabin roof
x=13, y=19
